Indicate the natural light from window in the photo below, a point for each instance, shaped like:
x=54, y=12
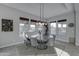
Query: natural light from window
x=32, y=28
x=53, y=28
x=59, y=25
x=21, y=28
x=53, y=25
x=64, y=25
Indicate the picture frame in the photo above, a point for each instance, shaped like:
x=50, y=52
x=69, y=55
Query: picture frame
x=7, y=25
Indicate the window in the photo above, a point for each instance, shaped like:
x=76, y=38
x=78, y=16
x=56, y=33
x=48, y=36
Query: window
x=32, y=28
x=53, y=28
x=59, y=25
x=21, y=29
x=62, y=28
x=53, y=25
x=39, y=26
x=64, y=25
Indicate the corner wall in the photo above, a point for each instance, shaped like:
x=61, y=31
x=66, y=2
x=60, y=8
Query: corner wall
x=11, y=38
x=77, y=24
x=70, y=19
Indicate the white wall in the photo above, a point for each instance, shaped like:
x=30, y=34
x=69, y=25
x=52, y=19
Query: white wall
x=70, y=31
x=77, y=24
x=11, y=38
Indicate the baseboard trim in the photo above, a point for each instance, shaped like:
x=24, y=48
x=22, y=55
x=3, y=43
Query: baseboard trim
x=11, y=44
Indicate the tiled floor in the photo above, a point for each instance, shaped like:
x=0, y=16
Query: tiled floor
x=59, y=49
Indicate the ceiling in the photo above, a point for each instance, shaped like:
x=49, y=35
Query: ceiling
x=50, y=9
